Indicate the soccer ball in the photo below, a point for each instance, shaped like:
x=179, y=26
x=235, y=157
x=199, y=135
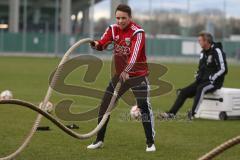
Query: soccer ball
x=135, y=112
x=6, y=95
x=48, y=107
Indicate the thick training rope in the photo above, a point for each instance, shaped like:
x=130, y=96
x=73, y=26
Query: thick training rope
x=61, y=125
x=221, y=148
x=41, y=108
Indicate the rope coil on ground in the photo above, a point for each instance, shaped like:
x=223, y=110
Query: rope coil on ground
x=41, y=108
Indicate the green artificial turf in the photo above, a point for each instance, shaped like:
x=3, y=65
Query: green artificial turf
x=177, y=139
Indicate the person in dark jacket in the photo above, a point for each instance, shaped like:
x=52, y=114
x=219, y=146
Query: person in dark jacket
x=210, y=76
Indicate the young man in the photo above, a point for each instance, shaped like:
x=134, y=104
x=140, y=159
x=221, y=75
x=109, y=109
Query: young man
x=210, y=76
x=131, y=68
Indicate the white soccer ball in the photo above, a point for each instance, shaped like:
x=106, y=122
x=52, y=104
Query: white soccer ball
x=6, y=95
x=48, y=107
x=135, y=112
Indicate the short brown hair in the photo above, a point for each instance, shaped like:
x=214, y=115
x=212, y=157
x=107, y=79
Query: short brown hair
x=124, y=8
x=207, y=36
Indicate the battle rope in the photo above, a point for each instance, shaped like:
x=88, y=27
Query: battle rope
x=41, y=108
x=61, y=125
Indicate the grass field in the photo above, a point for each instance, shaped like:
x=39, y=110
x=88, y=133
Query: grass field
x=28, y=77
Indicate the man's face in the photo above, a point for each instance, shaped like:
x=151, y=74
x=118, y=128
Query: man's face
x=203, y=43
x=123, y=19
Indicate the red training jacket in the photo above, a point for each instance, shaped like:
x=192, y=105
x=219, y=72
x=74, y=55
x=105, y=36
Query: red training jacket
x=129, y=48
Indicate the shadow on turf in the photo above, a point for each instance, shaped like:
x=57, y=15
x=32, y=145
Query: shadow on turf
x=126, y=117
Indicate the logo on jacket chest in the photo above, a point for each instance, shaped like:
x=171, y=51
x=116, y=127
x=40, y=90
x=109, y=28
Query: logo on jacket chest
x=122, y=46
x=209, y=59
x=127, y=41
x=122, y=41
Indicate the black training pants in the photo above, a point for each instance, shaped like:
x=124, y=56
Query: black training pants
x=140, y=89
x=196, y=90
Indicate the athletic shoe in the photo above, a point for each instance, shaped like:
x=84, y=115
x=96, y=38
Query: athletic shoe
x=166, y=115
x=151, y=148
x=190, y=115
x=95, y=145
